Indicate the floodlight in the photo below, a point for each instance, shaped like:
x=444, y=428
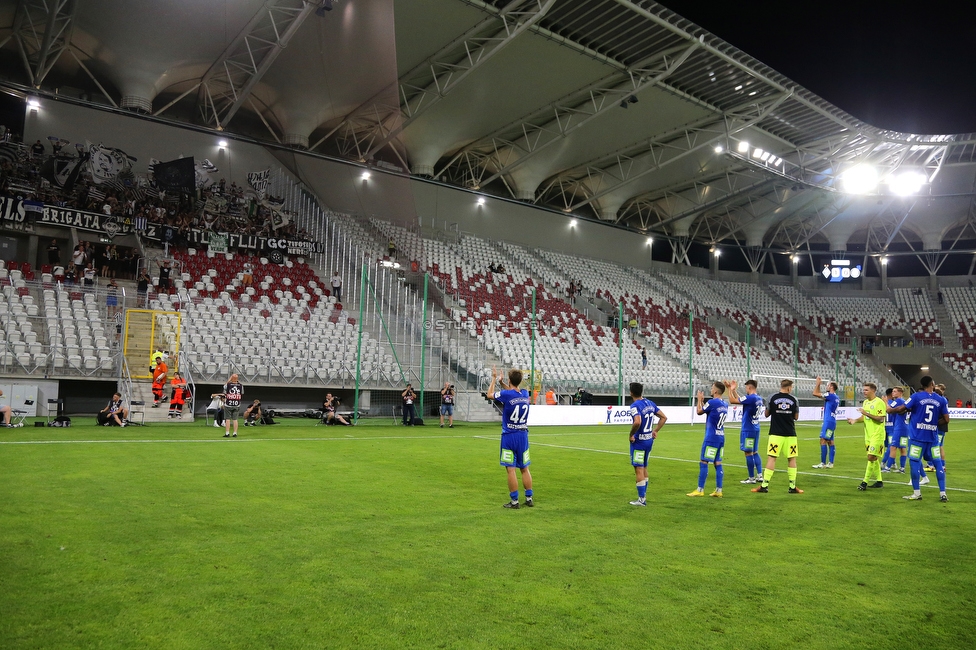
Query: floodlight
x=718, y=148
x=365, y=176
x=758, y=153
x=765, y=156
x=860, y=179
x=743, y=147
x=907, y=182
x=572, y=223
x=481, y=200
x=222, y=143
x=717, y=252
x=739, y=87
x=33, y=103
x=650, y=240
x=884, y=260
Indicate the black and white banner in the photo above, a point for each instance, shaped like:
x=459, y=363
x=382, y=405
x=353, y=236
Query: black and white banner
x=17, y=210
x=259, y=181
x=235, y=242
x=106, y=163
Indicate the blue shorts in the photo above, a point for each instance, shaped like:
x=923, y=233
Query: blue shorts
x=447, y=409
x=749, y=441
x=515, y=450
x=898, y=441
x=942, y=438
x=112, y=301
x=923, y=450
x=640, y=451
x=889, y=435
x=711, y=451
x=827, y=430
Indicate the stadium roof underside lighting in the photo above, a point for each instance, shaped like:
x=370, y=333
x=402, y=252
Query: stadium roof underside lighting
x=616, y=110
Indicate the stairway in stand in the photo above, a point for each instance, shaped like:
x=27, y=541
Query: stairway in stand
x=142, y=391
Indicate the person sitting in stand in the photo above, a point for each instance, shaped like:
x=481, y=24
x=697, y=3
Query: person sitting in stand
x=178, y=396
x=252, y=414
x=329, y=415
x=114, y=413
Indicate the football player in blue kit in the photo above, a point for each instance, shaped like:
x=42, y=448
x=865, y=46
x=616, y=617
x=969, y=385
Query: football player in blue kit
x=716, y=411
x=889, y=428
x=927, y=410
x=643, y=432
x=831, y=402
x=752, y=404
x=899, y=434
x=515, y=435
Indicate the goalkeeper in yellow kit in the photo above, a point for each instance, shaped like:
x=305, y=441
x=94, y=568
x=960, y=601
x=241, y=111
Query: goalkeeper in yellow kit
x=873, y=414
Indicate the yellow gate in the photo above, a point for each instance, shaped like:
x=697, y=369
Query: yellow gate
x=149, y=330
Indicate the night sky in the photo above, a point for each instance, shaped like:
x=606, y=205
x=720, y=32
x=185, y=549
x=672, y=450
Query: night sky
x=904, y=66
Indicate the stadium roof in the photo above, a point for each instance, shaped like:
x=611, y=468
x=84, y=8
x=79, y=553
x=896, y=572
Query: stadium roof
x=618, y=110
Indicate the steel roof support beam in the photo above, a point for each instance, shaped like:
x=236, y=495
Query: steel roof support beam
x=612, y=172
x=42, y=29
x=517, y=143
x=229, y=81
x=432, y=81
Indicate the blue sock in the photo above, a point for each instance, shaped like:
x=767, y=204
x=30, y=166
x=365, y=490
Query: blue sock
x=886, y=458
x=759, y=466
x=902, y=460
x=823, y=454
x=916, y=473
x=750, y=465
x=940, y=473
x=642, y=490
x=528, y=494
x=719, y=475
x=702, y=475
x=514, y=495
x=833, y=450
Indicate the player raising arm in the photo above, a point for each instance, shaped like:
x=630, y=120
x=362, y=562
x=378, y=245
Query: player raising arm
x=515, y=435
x=714, y=443
x=642, y=436
x=749, y=437
x=831, y=402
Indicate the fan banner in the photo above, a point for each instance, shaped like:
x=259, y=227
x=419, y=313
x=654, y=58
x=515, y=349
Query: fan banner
x=259, y=181
x=243, y=243
x=179, y=174
x=106, y=163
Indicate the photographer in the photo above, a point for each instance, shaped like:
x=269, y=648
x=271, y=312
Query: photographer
x=329, y=415
x=448, y=396
x=408, y=396
x=252, y=414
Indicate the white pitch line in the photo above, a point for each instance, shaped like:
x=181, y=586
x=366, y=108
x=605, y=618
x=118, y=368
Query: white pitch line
x=688, y=460
x=367, y=438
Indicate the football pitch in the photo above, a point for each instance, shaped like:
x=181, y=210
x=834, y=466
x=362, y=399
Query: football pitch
x=376, y=536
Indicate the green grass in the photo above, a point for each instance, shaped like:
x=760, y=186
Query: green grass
x=297, y=536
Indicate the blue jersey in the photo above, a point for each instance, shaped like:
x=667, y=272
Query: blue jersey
x=515, y=410
x=831, y=402
x=646, y=409
x=890, y=419
x=926, y=409
x=901, y=419
x=751, y=412
x=716, y=410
